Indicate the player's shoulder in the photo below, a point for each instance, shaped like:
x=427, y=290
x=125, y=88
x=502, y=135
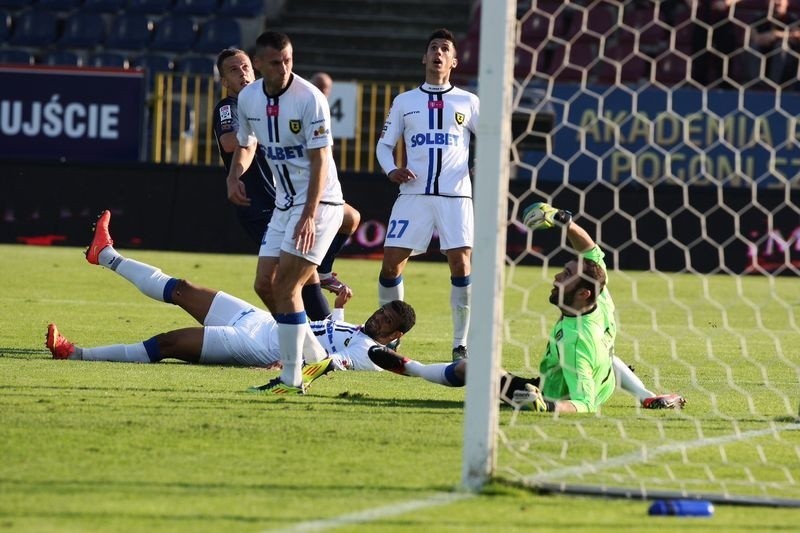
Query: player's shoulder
x=250, y=92
x=458, y=91
x=227, y=104
x=412, y=94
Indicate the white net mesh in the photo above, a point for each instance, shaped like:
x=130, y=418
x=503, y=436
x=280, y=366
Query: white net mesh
x=670, y=129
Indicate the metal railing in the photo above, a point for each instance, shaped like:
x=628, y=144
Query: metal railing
x=181, y=126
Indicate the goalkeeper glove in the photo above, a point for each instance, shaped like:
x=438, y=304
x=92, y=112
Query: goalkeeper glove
x=530, y=398
x=544, y=216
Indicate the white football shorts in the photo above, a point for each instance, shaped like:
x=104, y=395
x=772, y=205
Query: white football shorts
x=237, y=333
x=415, y=218
x=281, y=228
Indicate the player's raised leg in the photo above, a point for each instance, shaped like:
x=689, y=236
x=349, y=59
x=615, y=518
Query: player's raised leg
x=150, y=280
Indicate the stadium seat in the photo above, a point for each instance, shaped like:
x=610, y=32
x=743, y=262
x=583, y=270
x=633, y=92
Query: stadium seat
x=195, y=64
x=35, y=29
x=196, y=7
x=174, y=33
x=83, y=30
x=153, y=7
x=11, y=56
x=102, y=6
x=58, y=5
x=218, y=33
x=61, y=58
x=106, y=59
x=131, y=32
x=241, y=8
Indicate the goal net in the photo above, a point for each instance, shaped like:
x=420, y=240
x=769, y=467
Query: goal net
x=670, y=130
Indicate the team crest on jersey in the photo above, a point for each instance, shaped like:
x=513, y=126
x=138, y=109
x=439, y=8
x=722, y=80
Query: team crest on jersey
x=460, y=118
x=295, y=126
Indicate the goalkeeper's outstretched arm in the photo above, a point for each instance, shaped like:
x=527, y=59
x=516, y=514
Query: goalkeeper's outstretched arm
x=578, y=237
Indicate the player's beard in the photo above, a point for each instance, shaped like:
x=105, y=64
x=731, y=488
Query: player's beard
x=563, y=299
x=369, y=328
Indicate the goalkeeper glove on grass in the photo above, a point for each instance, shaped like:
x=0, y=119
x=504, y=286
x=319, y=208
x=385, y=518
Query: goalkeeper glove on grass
x=530, y=398
x=544, y=216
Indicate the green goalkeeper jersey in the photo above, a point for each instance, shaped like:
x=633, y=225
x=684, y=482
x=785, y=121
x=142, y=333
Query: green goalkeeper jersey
x=577, y=361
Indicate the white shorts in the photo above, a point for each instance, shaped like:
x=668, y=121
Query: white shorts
x=279, y=233
x=416, y=217
x=237, y=333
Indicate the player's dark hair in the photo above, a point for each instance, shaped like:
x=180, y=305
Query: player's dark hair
x=225, y=54
x=442, y=33
x=406, y=313
x=592, y=277
x=272, y=39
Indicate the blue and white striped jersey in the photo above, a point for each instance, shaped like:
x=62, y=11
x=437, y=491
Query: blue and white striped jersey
x=288, y=124
x=346, y=343
x=437, y=126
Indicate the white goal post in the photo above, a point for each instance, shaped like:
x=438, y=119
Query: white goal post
x=681, y=157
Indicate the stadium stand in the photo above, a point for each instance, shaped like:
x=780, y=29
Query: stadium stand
x=83, y=30
x=33, y=28
x=174, y=33
x=218, y=33
x=132, y=31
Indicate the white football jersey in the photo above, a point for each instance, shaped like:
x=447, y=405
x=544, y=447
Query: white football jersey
x=346, y=343
x=288, y=124
x=437, y=127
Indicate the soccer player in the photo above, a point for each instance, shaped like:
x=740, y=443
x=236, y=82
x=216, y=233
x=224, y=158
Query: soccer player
x=236, y=72
x=436, y=121
x=233, y=332
x=291, y=118
x=578, y=369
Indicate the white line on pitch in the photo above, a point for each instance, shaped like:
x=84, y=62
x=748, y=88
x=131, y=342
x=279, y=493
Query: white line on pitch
x=370, y=515
x=639, y=457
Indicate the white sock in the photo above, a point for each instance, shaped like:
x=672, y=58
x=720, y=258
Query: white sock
x=107, y=256
x=126, y=353
x=388, y=294
x=459, y=304
x=290, y=340
x=148, y=279
x=433, y=372
x=630, y=382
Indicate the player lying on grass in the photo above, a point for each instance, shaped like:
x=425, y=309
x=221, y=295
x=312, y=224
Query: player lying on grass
x=233, y=332
x=578, y=369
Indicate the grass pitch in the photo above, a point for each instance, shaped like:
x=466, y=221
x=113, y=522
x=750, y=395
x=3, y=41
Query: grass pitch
x=177, y=447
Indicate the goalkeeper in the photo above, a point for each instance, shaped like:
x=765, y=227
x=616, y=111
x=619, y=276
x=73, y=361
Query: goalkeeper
x=578, y=371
